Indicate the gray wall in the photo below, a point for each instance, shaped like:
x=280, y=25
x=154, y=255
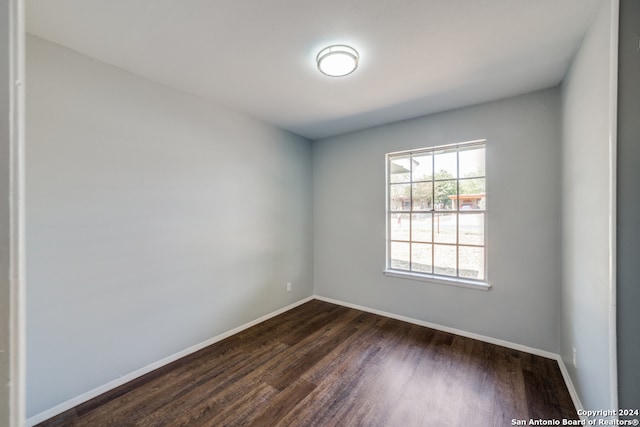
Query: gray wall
x=523, y=174
x=628, y=205
x=586, y=209
x=154, y=222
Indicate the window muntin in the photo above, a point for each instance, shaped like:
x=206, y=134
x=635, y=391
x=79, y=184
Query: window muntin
x=436, y=211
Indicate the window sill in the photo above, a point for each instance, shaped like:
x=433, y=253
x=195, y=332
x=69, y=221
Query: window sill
x=470, y=284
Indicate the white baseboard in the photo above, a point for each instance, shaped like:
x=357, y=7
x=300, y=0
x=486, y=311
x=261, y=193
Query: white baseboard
x=572, y=390
x=71, y=403
x=490, y=340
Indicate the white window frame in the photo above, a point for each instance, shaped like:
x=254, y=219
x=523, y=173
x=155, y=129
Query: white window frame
x=433, y=277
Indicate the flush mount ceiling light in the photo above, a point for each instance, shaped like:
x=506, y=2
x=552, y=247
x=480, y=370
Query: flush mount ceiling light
x=337, y=60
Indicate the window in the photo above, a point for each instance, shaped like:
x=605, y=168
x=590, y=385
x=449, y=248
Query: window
x=436, y=213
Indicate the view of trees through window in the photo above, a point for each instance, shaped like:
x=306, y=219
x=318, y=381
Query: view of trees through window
x=436, y=211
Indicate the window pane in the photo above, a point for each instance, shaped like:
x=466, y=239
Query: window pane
x=445, y=164
x=399, y=255
x=423, y=196
x=445, y=193
x=444, y=227
x=437, y=211
x=472, y=193
x=471, y=228
x=471, y=262
x=422, y=167
x=421, y=258
x=399, y=226
x=421, y=227
x=400, y=169
x=400, y=197
x=471, y=161
x=444, y=260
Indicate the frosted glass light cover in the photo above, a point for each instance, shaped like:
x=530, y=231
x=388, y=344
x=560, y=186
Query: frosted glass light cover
x=337, y=61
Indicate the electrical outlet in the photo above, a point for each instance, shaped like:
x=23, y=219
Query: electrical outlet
x=288, y=286
x=575, y=365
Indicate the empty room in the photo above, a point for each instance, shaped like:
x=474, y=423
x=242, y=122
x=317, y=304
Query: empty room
x=295, y=213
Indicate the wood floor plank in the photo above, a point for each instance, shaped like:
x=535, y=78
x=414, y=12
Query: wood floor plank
x=358, y=398
x=283, y=403
x=412, y=405
x=343, y=355
x=399, y=370
x=510, y=389
x=303, y=357
x=240, y=412
x=321, y=364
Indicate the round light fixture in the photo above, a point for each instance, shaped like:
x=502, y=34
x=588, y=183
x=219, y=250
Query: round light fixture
x=337, y=60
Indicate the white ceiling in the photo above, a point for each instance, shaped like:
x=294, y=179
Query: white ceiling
x=258, y=56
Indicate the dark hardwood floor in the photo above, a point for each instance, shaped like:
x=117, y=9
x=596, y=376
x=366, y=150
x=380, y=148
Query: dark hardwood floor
x=326, y=365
